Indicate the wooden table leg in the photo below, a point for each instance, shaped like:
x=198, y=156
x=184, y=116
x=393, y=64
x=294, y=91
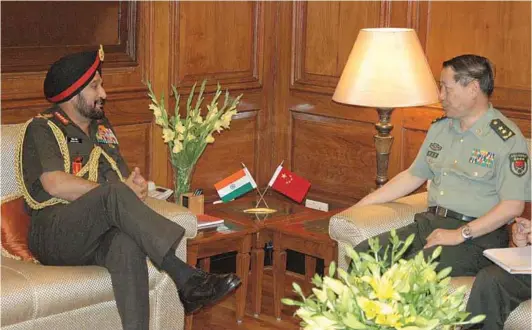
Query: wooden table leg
x=192, y=259
x=279, y=269
x=242, y=270
x=310, y=270
x=257, y=269
x=205, y=264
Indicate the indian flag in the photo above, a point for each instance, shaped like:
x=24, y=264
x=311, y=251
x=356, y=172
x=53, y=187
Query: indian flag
x=235, y=185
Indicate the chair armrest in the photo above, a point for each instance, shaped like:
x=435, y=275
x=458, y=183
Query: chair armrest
x=357, y=224
x=175, y=213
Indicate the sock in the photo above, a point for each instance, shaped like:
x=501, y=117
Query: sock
x=178, y=270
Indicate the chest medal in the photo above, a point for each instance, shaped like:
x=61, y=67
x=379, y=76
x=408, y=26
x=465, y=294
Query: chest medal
x=482, y=158
x=106, y=135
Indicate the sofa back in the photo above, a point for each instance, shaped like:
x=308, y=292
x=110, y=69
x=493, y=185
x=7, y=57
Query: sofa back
x=8, y=142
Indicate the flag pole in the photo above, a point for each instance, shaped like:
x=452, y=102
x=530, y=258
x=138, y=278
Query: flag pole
x=261, y=195
x=264, y=192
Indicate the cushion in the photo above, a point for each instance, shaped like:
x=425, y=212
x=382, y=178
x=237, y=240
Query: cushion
x=15, y=227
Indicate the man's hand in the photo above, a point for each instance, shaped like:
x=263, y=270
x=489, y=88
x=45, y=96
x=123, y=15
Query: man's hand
x=521, y=234
x=444, y=237
x=137, y=183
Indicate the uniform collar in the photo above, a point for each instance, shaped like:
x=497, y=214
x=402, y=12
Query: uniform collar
x=480, y=127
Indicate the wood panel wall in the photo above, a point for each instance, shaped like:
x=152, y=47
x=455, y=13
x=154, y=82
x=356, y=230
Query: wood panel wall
x=332, y=144
x=285, y=57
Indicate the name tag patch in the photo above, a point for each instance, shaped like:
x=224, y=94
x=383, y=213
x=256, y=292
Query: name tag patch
x=482, y=158
x=106, y=135
x=74, y=140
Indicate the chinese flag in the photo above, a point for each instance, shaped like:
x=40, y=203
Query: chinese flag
x=289, y=184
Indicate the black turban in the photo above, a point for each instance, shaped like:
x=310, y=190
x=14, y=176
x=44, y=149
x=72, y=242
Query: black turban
x=70, y=74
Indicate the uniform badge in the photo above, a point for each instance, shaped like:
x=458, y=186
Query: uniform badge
x=61, y=118
x=519, y=163
x=74, y=140
x=482, y=158
x=77, y=164
x=432, y=154
x=435, y=146
x=101, y=54
x=106, y=135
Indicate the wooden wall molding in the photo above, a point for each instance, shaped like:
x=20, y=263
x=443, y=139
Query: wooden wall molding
x=39, y=57
x=197, y=44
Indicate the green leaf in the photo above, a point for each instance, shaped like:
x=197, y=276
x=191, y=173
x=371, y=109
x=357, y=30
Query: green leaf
x=444, y=273
x=351, y=321
x=290, y=302
x=332, y=269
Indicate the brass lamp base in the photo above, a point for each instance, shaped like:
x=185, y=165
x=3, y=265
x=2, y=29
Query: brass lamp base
x=383, y=144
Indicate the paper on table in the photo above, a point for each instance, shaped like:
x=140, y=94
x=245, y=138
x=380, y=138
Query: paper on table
x=208, y=221
x=515, y=260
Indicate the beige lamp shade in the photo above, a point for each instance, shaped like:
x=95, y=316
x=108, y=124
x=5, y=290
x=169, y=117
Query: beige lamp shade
x=386, y=69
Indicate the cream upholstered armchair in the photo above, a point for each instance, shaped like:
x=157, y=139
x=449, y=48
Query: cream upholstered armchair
x=50, y=297
x=355, y=225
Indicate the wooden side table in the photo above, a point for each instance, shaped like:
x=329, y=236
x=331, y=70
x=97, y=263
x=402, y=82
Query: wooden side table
x=309, y=237
x=210, y=242
x=287, y=212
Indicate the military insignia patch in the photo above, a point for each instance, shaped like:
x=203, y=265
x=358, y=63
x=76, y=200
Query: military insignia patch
x=101, y=54
x=519, y=163
x=482, y=158
x=61, y=118
x=503, y=131
x=432, y=154
x=106, y=135
x=435, y=146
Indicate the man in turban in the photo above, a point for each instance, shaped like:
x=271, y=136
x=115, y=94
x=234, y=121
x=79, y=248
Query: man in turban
x=86, y=205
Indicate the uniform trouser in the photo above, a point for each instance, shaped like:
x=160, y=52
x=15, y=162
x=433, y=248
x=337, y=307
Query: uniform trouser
x=496, y=293
x=466, y=259
x=110, y=227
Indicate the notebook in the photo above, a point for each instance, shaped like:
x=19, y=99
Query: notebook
x=515, y=260
x=208, y=221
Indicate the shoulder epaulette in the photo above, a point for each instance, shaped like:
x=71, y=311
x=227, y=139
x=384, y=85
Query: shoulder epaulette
x=438, y=119
x=44, y=115
x=503, y=131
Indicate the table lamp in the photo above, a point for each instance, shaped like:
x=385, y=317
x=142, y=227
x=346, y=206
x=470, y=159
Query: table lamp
x=386, y=69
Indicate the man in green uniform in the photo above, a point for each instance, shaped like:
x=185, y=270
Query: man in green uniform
x=86, y=206
x=477, y=161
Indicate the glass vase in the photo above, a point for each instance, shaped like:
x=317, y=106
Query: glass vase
x=182, y=179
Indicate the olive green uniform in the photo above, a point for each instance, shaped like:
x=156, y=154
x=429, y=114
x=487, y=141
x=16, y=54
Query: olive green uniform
x=470, y=173
x=108, y=226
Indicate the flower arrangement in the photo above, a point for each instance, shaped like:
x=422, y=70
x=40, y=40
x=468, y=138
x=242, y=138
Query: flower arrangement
x=188, y=137
x=383, y=291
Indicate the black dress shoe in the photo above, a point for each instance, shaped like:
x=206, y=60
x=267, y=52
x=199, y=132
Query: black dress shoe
x=204, y=289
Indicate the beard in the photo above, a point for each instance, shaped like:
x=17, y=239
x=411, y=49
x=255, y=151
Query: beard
x=94, y=111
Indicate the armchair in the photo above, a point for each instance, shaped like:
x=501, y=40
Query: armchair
x=35, y=296
x=353, y=226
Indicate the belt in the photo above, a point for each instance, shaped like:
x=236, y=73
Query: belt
x=446, y=213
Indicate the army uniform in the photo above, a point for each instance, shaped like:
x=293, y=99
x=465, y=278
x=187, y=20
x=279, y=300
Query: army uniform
x=108, y=226
x=470, y=173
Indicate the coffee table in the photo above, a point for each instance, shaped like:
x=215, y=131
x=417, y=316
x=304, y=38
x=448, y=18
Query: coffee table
x=233, y=236
x=309, y=237
x=287, y=212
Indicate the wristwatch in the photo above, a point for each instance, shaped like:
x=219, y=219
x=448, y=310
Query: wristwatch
x=466, y=233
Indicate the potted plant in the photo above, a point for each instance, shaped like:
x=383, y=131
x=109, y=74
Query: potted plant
x=384, y=291
x=188, y=136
